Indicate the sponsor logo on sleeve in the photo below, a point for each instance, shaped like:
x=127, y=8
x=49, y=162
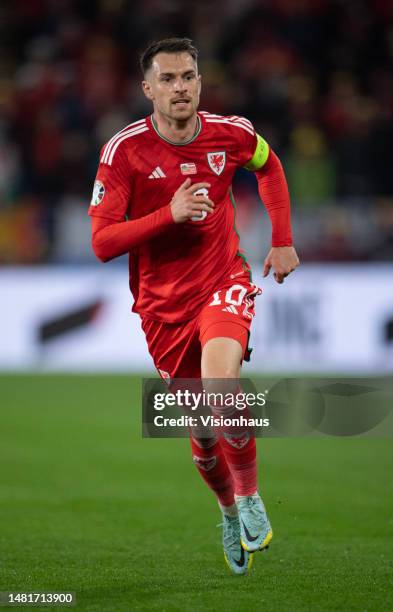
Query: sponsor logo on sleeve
x=98, y=193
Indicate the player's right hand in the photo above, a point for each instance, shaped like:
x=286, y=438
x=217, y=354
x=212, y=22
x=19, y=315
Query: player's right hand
x=186, y=203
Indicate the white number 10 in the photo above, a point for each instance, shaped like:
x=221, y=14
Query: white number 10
x=229, y=299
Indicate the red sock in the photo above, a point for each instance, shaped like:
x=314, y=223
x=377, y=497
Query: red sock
x=239, y=448
x=213, y=468
x=241, y=457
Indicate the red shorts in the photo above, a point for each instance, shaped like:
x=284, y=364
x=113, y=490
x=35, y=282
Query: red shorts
x=176, y=348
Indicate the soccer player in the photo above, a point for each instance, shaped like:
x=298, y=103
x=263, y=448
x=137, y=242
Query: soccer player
x=163, y=195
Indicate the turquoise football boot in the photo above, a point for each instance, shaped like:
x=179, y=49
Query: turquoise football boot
x=255, y=529
x=238, y=560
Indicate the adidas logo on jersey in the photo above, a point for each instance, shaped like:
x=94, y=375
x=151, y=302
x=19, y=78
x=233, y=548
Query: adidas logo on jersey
x=231, y=309
x=157, y=173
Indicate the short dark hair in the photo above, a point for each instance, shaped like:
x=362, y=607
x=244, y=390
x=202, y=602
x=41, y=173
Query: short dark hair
x=167, y=45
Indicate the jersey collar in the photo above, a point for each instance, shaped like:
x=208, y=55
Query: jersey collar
x=178, y=144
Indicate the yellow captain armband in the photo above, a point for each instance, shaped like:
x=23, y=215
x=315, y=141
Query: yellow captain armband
x=260, y=156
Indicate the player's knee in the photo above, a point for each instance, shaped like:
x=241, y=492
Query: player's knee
x=225, y=369
x=221, y=381
x=228, y=373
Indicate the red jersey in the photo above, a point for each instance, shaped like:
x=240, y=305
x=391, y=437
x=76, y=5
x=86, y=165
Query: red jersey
x=172, y=275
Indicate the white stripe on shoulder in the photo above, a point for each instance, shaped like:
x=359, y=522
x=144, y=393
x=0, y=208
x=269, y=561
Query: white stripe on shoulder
x=229, y=122
x=131, y=128
x=242, y=120
x=207, y=114
x=110, y=155
x=127, y=127
x=110, y=142
x=236, y=119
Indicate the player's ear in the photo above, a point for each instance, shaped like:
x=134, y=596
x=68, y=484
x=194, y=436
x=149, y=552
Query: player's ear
x=147, y=90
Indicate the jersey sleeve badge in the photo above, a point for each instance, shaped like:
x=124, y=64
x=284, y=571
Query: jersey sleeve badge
x=98, y=193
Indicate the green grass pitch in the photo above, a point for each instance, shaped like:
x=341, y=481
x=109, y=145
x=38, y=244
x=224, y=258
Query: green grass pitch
x=88, y=505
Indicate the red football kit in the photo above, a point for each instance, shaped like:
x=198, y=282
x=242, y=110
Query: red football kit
x=190, y=282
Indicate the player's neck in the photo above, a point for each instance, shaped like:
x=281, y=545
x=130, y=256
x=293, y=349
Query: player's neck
x=176, y=131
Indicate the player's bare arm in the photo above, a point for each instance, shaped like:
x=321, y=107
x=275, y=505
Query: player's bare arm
x=188, y=203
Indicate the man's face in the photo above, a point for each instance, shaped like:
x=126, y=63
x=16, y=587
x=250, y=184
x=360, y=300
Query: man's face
x=173, y=85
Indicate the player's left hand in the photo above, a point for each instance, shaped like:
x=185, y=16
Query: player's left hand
x=283, y=260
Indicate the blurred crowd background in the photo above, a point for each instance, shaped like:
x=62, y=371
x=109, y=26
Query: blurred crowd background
x=314, y=76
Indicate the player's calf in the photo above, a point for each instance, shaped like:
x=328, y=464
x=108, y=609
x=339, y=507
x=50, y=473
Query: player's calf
x=212, y=466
